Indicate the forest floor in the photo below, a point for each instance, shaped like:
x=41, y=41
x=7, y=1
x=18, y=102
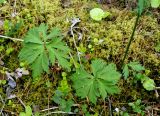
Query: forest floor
x=55, y=93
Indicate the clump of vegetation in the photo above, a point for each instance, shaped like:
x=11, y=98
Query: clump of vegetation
x=40, y=49
x=98, y=62
x=97, y=14
x=100, y=82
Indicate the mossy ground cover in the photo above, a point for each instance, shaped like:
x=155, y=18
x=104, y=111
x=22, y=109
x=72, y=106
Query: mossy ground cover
x=106, y=39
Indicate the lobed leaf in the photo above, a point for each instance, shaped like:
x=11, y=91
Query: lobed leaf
x=41, y=48
x=100, y=82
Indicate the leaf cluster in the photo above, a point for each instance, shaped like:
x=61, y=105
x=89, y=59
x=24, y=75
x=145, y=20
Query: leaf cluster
x=59, y=98
x=137, y=107
x=40, y=49
x=135, y=66
x=100, y=82
x=137, y=69
x=28, y=111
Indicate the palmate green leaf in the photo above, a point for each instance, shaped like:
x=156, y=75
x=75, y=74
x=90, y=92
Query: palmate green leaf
x=136, y=66
x=149, y=84
x=100, y=82
x=54, y=33
x=40, y=64
x=40, y=48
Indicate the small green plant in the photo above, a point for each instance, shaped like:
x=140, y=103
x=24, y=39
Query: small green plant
x=157, y=47
x=141, y=6
x=28, y=112
x=64, y=87
x=136, y=69
x=98, y=14
x=2, y=1
x=12, y=29
x=155, y=3
x=62, y=93
x=84, y=110
x=135, y=66
x=59, y=98
x=100, y=82
x=41, y=48
x=137, y=107
x=147, y=83
x=139, y=13
x=2, y=82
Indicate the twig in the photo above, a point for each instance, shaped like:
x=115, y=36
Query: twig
x=2, y=99
x=15, y=2
x=48, y=98
x=3, y=104
x=7, y=111
x=14, y=39
x=52, y=108
x=59, y=112
x=21, y=102
x=157, y=88
x=156, y=109
x=156, y=92
x=71, y=29
x=56, y=107
x=110, y=107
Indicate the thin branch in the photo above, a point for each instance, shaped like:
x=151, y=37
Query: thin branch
x=14, y=39
x=110, y=107
x=2, y=105
x=21, y=102
x=52, y=108
x=56, y=107
x=156, y=93
x=60, y=112
x=156, y=109
x=72, y=33
x=157, y=87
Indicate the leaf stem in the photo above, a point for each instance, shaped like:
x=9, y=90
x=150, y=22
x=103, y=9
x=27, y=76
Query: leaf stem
x=130, y=41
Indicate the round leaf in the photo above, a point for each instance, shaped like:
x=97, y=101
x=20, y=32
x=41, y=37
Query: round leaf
x=155, y=3
x=149, y=84
x=97, y=14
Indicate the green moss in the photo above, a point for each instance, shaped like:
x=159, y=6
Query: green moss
x=115, y=32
